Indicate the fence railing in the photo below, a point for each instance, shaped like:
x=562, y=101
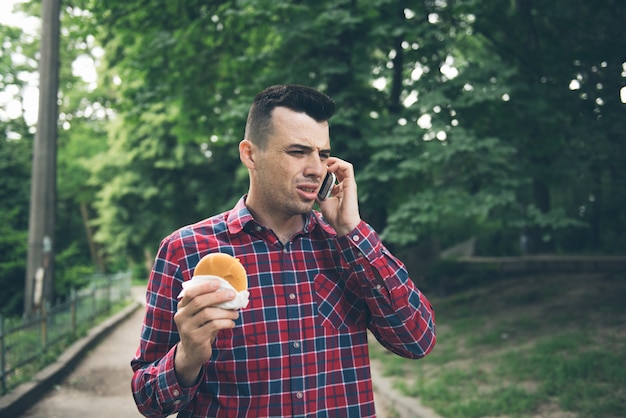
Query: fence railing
x=24, y=342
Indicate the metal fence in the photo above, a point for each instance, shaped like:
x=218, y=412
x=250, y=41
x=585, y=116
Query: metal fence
x=24, y=343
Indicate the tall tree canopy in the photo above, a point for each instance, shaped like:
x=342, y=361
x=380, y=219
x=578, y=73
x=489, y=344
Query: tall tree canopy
x=463, y=118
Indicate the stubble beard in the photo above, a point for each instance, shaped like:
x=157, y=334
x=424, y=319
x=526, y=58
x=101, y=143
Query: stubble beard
x=286, y=205
x=295, y=207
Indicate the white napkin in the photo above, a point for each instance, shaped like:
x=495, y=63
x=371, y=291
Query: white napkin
x=240, y=301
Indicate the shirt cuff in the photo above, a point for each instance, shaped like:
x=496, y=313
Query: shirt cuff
x=173, y=395
x=361, y=242
x=363, y=248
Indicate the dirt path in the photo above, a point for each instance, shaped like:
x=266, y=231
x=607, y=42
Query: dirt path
x=99, y=387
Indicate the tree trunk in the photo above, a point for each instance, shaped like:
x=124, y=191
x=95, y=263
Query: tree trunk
x=93, y=247
x=39, y=281
x=541, y=195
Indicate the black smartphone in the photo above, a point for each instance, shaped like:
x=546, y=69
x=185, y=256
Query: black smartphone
x=327, y=186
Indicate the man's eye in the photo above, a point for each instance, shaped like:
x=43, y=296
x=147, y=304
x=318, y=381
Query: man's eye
x=296, y=152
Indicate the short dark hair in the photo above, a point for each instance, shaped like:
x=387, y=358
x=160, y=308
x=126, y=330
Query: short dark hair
x=298, y=98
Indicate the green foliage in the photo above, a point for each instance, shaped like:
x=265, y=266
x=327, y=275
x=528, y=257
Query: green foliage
x=78, y=108
x=15, y=161
x=12, y=266
x=478, y=169
x=15, y=156
x=72, y=271
x=483, y=119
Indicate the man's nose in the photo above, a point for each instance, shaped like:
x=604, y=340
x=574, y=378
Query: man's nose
x=316, y=165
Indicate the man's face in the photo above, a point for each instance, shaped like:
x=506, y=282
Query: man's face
x=289, y=171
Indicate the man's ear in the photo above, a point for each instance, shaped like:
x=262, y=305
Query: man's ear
x=247, y=153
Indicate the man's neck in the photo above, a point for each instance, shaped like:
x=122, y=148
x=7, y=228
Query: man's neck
x=285, y=227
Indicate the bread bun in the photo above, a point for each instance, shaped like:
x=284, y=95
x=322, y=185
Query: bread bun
x=225, y=266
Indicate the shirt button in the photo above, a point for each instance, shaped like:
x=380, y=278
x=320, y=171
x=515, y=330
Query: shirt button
x=299, y=395
x=292, y=296
x=175, y=392
x=177, y=402
x=356, y=238
x=296, y=344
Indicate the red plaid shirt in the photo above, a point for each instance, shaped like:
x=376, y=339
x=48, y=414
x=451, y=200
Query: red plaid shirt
x=300, y=347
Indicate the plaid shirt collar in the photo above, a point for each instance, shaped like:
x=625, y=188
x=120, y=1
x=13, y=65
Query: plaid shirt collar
x=239, y=217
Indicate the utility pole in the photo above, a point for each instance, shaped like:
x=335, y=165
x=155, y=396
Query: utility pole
x=39, y=284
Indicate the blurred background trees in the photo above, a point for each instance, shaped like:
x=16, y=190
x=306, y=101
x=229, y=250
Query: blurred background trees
x=484, y=119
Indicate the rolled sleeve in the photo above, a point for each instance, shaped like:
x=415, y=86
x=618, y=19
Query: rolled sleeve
x=402, y=317
x=155, y=388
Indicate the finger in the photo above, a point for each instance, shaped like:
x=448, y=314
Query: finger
x=212, y=314
x=191, y=291
x=198, y=290
x=199, y=326
x=214, y=326
x=205, y=303
x=342, y=169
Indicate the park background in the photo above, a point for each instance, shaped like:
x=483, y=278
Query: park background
x=498, y=123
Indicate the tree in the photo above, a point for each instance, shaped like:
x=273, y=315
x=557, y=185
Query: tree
x=443, y=150
x=41, y=224
x=15, y=158
x=81, y=113
x=15, y=163
x=550, y=122
x=462, y=119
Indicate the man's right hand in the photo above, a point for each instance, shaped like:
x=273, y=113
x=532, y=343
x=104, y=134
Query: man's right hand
x=198, y=323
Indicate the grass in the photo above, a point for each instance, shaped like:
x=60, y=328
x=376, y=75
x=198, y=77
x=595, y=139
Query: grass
x=28, y=341
x=549, y=346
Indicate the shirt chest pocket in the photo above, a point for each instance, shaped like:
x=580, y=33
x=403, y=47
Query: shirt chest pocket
x=338, y=307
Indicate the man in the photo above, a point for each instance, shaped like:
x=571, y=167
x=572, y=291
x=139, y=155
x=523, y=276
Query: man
x=317, y=283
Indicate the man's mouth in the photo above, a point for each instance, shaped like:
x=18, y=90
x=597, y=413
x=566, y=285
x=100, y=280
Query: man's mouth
x=309, y=190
